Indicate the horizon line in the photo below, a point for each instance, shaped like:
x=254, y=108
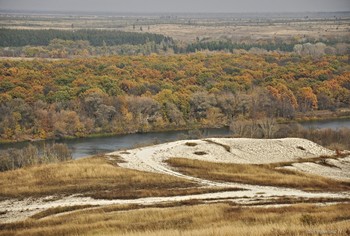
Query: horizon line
x=164, y=12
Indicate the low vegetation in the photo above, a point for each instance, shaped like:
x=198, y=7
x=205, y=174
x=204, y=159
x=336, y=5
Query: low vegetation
x=96, y=177
x=210, y=219
x=59, y=210
x=12, y=159
x=319, y=160
x=91, y=176
x=256, y=174
x=333, y=139
x=226, y=147
x=336, y=139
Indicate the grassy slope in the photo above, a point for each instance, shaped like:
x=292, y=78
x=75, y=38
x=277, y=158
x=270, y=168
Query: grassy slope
x=96, y=177
x=257, y=174
x=100, y=177
x=212, y=219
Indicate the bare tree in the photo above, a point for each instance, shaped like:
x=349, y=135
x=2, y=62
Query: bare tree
x=268, y=127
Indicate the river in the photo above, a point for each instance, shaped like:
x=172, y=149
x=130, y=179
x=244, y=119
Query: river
x=82, y=147
x=327, y=124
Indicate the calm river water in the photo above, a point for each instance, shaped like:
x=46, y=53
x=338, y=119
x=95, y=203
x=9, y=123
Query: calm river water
x=82, y=147
x=327, y=124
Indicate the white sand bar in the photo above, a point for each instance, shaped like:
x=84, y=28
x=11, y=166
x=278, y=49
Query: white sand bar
x=241, y=150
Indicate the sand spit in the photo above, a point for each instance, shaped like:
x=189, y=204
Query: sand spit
x=223, y=150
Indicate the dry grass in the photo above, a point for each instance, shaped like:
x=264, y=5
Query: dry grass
x=256, y=174
x=191, y=144
x=226, y=147
x=318, y=160
x=96, y=177
x=58, y=210
x=212, y=219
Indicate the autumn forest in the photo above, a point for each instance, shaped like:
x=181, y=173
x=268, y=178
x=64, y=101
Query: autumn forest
x=42, y=99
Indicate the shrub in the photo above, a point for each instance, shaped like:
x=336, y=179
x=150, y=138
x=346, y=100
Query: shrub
x=190, y=144
x=12, y=159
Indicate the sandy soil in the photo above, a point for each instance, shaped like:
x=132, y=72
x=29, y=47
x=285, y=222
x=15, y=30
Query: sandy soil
x=335, y=169
x=241, y=151
x=18, y=210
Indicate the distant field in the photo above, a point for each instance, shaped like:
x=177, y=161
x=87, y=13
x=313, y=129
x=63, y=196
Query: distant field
x=187, y=28
x=253, y=31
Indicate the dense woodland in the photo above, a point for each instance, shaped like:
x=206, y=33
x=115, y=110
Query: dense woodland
x=79, y=43
x=17, y=38
x=230, y=46
x=126, y=94
x=85, y=43
x=302, y=47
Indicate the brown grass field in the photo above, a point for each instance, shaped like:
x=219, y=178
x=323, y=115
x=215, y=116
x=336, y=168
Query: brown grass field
x=96, y=177
x=100, y=177
x=208, y=219
x=257, y=174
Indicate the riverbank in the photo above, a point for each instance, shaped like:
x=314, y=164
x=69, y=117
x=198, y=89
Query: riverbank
x=195, y=128
x=321, y=115
x=81, y=147
x=204, y=171
x=190, y=127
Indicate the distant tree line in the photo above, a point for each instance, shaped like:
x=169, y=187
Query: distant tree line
x=20, y=38
x=59, y=48
x=82, y=43
x=269, y=128
x=313, y=48
x=230, y=46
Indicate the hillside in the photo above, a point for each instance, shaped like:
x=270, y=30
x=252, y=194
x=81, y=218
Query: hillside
x=240, y=172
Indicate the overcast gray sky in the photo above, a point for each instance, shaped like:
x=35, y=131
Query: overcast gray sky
x=178, y=5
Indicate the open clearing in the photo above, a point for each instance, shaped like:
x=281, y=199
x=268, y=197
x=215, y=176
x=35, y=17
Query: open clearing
x=253, y=31
x=241, y=172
